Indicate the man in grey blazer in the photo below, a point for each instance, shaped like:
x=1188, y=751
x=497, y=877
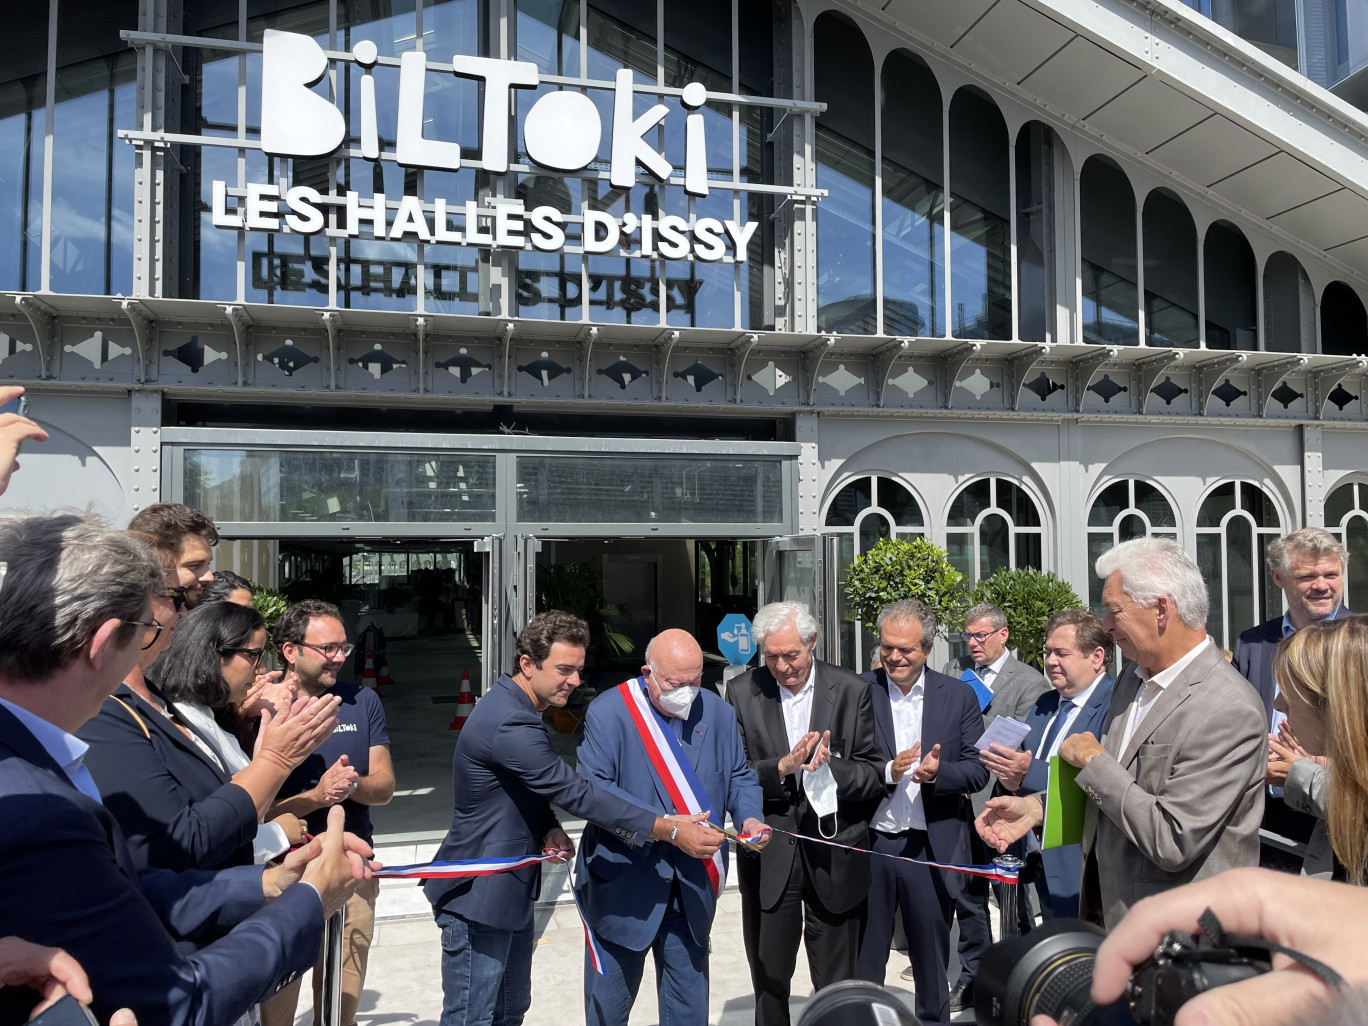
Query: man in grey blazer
x=1006, y=687
x=1176, y=782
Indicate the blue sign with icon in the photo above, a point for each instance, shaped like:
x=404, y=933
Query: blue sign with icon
x=736, y=639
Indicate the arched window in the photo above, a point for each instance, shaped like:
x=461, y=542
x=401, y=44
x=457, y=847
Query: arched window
x=1344, y=325
x=980, y=208
x=862, y=513
x=993, y=524
x=1122, y=511
x=845, y=168
x=1170, y=271
x=1229, y=272
x=913, y=199
x=1289, y=306
x=1037, y=150
x=1346, y=517
x=1235, y=523
x=1111, y=304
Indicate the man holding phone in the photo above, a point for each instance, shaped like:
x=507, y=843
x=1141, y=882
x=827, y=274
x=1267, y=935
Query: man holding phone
x=15, y=429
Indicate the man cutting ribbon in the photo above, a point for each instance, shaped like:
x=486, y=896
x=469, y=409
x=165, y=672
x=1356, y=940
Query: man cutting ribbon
x=662, y=742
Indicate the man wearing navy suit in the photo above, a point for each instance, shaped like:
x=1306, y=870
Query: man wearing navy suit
x=75, y=610
x=505, y=777
x=1077, y=654
x=926, y=724
x=655, y=898
x=1308, y=565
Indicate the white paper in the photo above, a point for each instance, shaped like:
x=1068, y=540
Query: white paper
x=1003, y=731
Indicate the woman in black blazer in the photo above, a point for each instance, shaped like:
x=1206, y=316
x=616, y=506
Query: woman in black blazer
x=179, y=805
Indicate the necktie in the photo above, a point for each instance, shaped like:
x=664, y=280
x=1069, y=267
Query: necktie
x=1065, y=707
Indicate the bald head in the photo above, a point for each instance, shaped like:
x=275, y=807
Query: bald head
x=674, y=663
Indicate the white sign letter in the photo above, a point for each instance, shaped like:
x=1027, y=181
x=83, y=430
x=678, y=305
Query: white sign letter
x=410, y=148
x=593, y=221
x=295, y=121
x=629, y=148
x=499, y=78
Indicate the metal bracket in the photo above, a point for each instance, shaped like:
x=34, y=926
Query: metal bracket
x=1019, y=365
x=1145, y=372
x=240, y=321
x=587, y=339
x=952, y=361
x=814, y=353
x=141, y=319
x=332, y=323
x=1084, y=368
x=420, y=327
x=740, y=350
x=506, y=330
x=1209, y=372
x=1267, y=376
x=884, y=359
x=1322, y=381
x=43, y=319
x=664, y=346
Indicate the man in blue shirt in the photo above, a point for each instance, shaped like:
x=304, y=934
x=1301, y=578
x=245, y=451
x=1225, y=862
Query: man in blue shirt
x=351, y=768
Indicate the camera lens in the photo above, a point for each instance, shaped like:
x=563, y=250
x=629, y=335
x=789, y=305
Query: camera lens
x=1045, y=972
x=856, y=1003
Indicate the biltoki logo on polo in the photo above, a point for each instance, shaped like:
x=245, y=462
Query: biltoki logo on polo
x=561, y=131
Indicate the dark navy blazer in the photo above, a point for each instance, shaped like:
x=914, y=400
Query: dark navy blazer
x=626, y=891
x=1063, y=866
x=177, y=809
x=504, y=778
x=69, y=882
x=950, y=718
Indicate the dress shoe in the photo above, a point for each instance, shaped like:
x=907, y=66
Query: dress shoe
x=907, y=975
x=962, y=997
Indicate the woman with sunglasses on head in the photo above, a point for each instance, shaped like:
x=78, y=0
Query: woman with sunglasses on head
x=184, y=793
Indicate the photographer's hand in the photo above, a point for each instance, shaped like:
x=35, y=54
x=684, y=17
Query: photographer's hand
x=1314, y=917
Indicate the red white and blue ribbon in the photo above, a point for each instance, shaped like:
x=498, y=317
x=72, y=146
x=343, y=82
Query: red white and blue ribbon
x=672, y=767
x=462, y=869
x=997, y=873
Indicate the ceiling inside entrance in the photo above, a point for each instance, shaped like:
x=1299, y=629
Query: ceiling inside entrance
x=1180, y=92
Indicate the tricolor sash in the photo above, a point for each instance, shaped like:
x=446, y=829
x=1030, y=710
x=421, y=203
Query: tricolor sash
x=672, y=767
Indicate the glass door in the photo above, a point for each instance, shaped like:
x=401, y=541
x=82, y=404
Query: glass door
x=793, y=569
x=490, y=551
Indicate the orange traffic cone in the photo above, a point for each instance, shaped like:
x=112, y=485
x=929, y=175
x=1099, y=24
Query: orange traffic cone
x=368, y=678
x=384, y=679
x=465, y=703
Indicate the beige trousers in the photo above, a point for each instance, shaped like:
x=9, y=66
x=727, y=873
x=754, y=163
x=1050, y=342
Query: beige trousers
x=279, y=1009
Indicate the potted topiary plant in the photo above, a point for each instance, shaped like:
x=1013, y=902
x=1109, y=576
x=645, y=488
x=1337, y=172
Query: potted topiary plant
x=900, y=568
x=1029, y=597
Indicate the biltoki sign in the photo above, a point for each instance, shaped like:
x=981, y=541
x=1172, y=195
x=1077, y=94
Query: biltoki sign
x=562, y=131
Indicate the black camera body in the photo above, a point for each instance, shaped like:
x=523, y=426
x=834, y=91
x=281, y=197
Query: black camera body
x=1049, y=972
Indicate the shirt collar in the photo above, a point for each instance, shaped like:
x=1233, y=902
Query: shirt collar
x=66, y=750
x=1288, y=630
x=1167, y=676
x=918, y=689
x=807, y=687
x=1083, y=697
x=995, y=667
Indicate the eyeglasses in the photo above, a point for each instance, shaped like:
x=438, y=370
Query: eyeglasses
x=155, y=627
x=179, y=597
x=331, y=651
x=980, y=636
x=254, y=654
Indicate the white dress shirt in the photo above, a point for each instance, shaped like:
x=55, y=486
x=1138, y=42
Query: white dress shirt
x=1153, y=687
x=1079, y=701
x=67, y=751
x=902, y=810
x=797, y=709
x=988, y=674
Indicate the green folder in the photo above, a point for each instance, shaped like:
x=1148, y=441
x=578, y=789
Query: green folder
x=1065, y=806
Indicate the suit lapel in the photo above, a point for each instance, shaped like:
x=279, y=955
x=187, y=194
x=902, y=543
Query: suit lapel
x=156, y=721
x=932, y=708
x=883, y=712
x=1173, y=696
x=823, y=700
x=771, y=710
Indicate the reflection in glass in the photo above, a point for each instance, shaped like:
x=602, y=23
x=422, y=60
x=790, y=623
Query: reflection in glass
x=1036, y=150
x=900, y=503
x=850, y=501
x=1228, y=271
x=1170, y=271
x=1235, y=524
x=21, y=178
x=557, y=489
x=1216, y=505
x=1240, y=563
x=913, y=211
x=994, y=545
x=1344, y=324
x=282, y=486
x=1209, y=562
x=1356, y=541
x=967, y=505
x=873, y=529
x=1289, y=305
x=1108, y=506
x=980, y=244
x=997, y=520
x=845, y=168
x=1111, y=305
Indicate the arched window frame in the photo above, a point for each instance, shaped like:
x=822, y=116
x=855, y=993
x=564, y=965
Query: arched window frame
x=1267, y=598
x=857, y=639
x=1356, y=576
x=971, y=570
x=1111, y=535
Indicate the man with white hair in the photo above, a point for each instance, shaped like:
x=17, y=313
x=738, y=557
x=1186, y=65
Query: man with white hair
x=808, y=728
x=1176, y=782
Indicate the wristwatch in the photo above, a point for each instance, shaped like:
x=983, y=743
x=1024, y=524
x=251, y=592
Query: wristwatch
x=674, y=830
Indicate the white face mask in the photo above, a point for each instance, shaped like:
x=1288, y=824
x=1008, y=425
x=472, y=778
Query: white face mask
x=677, y=702
x=820, y=787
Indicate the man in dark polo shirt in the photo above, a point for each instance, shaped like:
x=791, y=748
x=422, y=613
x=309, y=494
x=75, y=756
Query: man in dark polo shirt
x=352, y=767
